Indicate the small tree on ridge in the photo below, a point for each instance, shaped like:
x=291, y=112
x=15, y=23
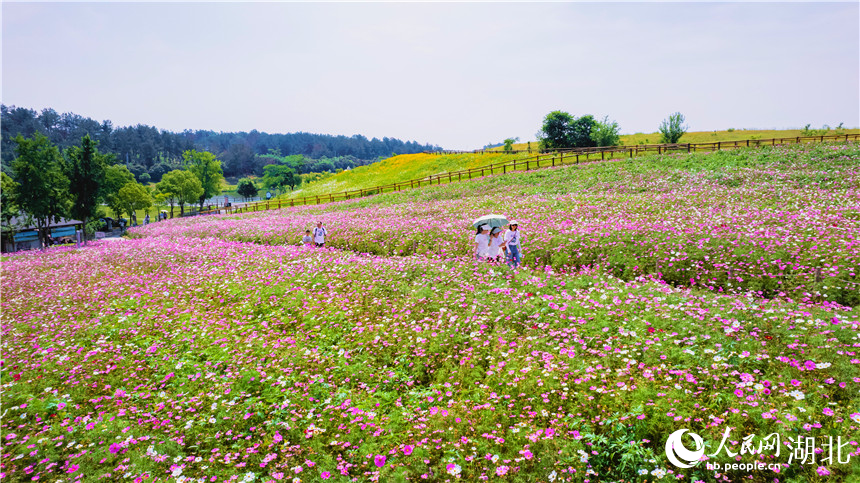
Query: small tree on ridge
x=673, y=128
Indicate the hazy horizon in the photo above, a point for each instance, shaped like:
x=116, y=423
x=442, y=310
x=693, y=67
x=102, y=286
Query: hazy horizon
x=456, y=75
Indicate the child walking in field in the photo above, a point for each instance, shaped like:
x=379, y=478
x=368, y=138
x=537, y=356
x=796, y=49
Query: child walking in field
x=496, y=243
x=307, y=240
x=482, y=242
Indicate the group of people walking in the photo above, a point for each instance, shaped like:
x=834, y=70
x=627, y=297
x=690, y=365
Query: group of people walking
x=492, y=243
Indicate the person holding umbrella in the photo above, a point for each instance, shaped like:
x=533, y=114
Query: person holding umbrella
x=482, y=239
x=496, y=243
x=512, y=244
x=482, y=242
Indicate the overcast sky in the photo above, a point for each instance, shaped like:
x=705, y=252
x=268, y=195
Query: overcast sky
x=459, y=75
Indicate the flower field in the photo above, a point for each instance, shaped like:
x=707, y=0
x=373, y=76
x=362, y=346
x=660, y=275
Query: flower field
x=215, y=349
x=779, y=222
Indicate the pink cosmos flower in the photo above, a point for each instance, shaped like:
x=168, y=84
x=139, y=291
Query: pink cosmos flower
x=407, y=450
x=379, y=460
x=325, y=475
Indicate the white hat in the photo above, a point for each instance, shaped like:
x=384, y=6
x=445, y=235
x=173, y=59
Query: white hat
x=485, y=227
x=515, y=222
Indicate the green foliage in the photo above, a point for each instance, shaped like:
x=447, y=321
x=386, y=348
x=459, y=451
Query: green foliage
x=8, y=208
x=554, y=132
x=207, y=168
x=116, y=176
x=157, y=171
x=133, y=197
x=509, y=144
x=247, y=189
x=180, y=187
x=673, y=128
x=85, y=167
x=7, y=196
x=560, y=130
x=808, y=131
x=279, y=176
x=43, y=191
x=605, y=133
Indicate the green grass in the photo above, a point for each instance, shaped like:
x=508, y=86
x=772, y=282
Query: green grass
x=400, y=168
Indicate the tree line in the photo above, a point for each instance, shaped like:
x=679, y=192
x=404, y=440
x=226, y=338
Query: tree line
x=44, y=184
x=149, y=153
x=561, y=130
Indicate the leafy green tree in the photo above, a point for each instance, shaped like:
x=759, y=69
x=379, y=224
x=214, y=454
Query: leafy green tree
x=673, y=128
x=555, y=132
x=116, y=176
x=44, y=188
x=605, y=133
x=580, y=135
x=180, y=187
x=247, y=189
x=207, y=168
x=279, y=176
x=560, y=130
x=509, y=144
x=133, y=197
x=157, y=171
x=85, y=168
x=8, y=208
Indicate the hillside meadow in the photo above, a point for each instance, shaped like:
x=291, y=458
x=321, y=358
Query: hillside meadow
x=399, y=168
x=217, y=349
x=708, y=136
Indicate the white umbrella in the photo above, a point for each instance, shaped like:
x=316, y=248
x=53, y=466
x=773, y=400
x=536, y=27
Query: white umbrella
x=492, y=220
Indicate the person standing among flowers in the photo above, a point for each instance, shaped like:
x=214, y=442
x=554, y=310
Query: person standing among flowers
x=319, y=235
x=482, y=242
x=512, y=244
x=307, y=240
x=496, y=243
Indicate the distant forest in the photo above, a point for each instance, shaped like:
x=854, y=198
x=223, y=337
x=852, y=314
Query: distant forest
x=146, y=149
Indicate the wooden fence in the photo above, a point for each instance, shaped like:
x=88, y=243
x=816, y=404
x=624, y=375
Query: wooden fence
x=547, y=160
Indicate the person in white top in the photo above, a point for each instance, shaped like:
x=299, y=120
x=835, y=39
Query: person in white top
x=512, y=244
x=496, y=243
x=319, y=235
x=482, y=242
